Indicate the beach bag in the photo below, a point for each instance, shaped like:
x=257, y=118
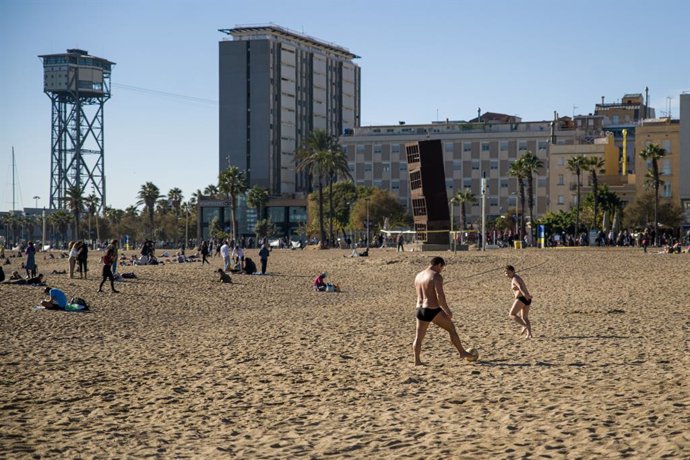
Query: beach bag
x=79, y=301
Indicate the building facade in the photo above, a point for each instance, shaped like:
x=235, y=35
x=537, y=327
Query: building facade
x=376, y=157
x=275, y=87
x=664, y=132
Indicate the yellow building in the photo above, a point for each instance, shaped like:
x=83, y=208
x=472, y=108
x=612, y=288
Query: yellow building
x=665, y=133
x=563, y=182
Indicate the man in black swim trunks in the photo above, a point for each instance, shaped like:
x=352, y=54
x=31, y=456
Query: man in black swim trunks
x=432, y=307
x=519, y=312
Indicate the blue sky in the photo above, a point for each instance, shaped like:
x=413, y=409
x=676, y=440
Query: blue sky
x=419, y=60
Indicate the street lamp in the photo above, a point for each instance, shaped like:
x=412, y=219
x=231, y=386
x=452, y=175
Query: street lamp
x=452, y=210
x=37, y=198
x=366, y=200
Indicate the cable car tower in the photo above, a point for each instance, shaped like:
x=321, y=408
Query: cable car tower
x=78, y=86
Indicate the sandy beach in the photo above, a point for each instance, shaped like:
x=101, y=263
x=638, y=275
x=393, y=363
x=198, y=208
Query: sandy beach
x=180, y=366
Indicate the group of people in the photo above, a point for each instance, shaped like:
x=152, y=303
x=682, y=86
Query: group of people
x=432, y=307
x=235, y=260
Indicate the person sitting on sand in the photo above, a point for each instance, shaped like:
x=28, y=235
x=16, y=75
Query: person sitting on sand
x=15, y=276
x=249, y=266
x=2, y=274
x=224, y=277
x=56, y=301
x=319, y=282
x=519, y=312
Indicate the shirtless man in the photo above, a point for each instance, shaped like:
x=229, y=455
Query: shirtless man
x=432, y=307
x=519, y=312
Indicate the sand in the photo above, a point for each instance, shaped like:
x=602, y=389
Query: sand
x=179, y=365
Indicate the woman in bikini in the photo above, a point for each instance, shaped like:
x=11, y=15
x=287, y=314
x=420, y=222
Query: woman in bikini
x=519, y=312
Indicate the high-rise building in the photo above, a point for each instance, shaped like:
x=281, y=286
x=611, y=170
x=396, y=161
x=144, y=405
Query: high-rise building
x=275, y=87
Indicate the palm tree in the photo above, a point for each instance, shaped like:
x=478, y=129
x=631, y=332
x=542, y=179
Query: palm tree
x=257, y=198
x=233, y=182
x=531, y=165
x=595, y=165
x=92, y=202
x=575, y=165
x=196, y=197
x=652, y=154
x=462, y=197
x=321, y=157
x=212, y=190
x=337, y=166
x=517, y=170
x=61, y=220
x=175, y=196
x=148, y=195
x=75, y=203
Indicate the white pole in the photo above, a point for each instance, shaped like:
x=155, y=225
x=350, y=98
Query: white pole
x=484, y=212
x=367, y=202
x=452, y=240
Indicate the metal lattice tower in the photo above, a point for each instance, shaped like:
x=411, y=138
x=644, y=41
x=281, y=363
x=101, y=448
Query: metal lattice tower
x=78, y=86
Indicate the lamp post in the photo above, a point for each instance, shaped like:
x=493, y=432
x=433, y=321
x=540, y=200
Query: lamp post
x=186, y=227
x=366, y=200
x=452, y=238
x=36, y=198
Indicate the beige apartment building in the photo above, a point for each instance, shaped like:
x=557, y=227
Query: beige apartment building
x=563, y=182
x=470, y=150
x=664, y=132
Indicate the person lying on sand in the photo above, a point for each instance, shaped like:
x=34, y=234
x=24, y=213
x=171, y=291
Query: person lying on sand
x=33, y=281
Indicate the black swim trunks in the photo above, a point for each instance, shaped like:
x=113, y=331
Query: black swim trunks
x=524, y=300
x=427, y=314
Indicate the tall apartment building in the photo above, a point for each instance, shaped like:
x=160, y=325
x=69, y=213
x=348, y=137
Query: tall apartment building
x=684, y=186
x=275, y=87
x=376, y=156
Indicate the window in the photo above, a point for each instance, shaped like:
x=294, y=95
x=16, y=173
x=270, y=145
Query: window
x=503, y=183
x=403, y=166
x=395, y=148
x=360, y=148
x=667, y=146
x=666, y=191
x=503, y=146
x=616, y=119
x=466, y=182
x=561, y=199
x=449, y=184
x=522, y=146
x=561, y=180
x=415, y=180
x=543, y=145
x=457, y=165
x=276, y=213
x=493, y=201
x=395, y=185
x=367, y=167
x=666, y=167
x=561, y=161
x=467, y=147
x=485, y=147
x=475, y=165
x=494, y=164
x=298, y=214
x=448, y=147
x=377, y=148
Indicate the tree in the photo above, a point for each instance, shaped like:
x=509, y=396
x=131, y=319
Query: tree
x=652, y=154
x=575, y=165
x=175, y=196
x=321, y=157
x=257, y=198
x=608, y=200
x=75, y=203
x=264, y=228
x=595, y=165
x=212, y=190
x=233, y=182
x=61, y=220
x=196, y=197
x=464, y=197
x=640, y=213
x=557, y=222
x=517, y=170
x=531, y=165
x=92, y=202
x=382, y=204
x=148, y=195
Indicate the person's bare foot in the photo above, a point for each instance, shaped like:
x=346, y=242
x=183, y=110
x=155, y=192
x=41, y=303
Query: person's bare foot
x=419, y=363
x=524, y=329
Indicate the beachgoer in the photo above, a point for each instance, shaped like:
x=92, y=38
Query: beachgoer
x=401, y=240
x=115, y=258
x=204, y=253
x=249, y=266
x=319, y=283
x=238, y=255
x=263, y=255
x=107, y=260
x=519, y=311
x=432, y=307
x=2, y=274
x=56, y=301
x=225, y=253
x=224, y=277
x=82, y=259
x=30, y=263
x=37, y=280
x=72, y=258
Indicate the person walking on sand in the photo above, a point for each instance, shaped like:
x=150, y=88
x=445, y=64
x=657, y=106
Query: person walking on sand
x=432, y=307
x=204, y=253
x=225, y=252
x=72, y=258
x=107, y=260
x=263, y=256
x=30, y=263
x=519, y=312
